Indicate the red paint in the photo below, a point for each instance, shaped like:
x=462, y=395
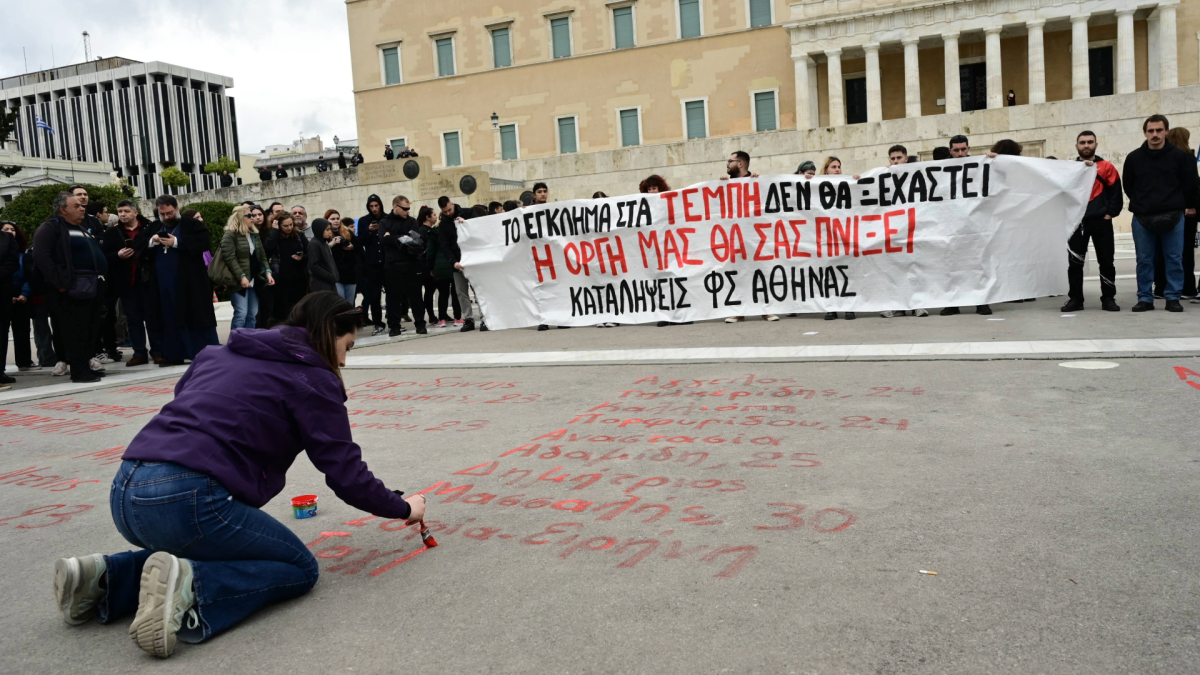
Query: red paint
x=69, y=405
x=1185, y=373
x=52, y=425
x=50, y=511
x=32, y=477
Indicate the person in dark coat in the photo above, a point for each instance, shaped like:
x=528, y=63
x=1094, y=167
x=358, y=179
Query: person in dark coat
x=346, y=254
x=341, y=160
x=10, y=265
x=371, y=243
x=226, y=179
x=67, y=257
x=441, y=270
x=322, y=270
x=264, y=174
x=280, y=172
x=286, y=248
x=403, y=256
x=127, y=278
x=388, y=153
x=22, y=299
x=176, y=245
x=357, y=159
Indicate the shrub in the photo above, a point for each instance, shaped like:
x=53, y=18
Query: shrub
x=222, y=164
x=32, y=207
x=172, y=176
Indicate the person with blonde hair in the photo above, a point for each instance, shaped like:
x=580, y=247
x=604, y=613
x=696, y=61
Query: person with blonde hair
x=244, y=255
x=831, y=167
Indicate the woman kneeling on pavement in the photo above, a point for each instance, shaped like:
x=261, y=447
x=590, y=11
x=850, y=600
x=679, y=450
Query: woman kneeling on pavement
x=193, y=481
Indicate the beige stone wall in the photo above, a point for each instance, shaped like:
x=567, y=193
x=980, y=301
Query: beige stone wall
x=1046, y=129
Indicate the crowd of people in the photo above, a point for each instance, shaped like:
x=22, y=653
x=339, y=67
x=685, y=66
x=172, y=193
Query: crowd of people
x=85, y=267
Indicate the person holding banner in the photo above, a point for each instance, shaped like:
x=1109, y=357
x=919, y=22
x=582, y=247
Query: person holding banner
x=833, y=167
x=1105, y=204
x=898, y=154
x=738, y=166
x=961, y=147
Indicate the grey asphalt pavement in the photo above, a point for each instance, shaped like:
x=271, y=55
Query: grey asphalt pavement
x=702, y=518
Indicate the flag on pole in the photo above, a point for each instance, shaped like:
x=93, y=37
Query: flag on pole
x=41, y=124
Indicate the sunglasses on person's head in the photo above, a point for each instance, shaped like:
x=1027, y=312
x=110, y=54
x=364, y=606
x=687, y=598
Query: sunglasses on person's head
x=355, y=314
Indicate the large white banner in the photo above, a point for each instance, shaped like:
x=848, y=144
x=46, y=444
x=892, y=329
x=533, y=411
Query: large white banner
x=958, y=232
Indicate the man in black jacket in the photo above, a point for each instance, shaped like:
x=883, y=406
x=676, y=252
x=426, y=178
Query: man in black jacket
x=402, y=254
x=452, y=214
x=1161, y=182
x=280, y=172
x=388, y=153
x=9, y=262
x=64, y=252
x=264, y=174
x=125, y=246
x=371, y=238
x=226, y=179
x=1106, y=203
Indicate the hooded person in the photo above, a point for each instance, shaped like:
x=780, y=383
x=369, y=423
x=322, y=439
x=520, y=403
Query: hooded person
x=371, y=241
x=322, y=270
x=191, y=487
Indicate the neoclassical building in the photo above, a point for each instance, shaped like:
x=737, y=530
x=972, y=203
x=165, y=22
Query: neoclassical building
x=510, y=80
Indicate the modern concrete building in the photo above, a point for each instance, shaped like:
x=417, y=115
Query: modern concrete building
x=524, y=79
x=138, y=118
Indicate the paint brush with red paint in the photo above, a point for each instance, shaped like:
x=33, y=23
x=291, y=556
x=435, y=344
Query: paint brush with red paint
x=426, y=536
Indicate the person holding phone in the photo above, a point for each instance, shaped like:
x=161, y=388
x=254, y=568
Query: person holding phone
x=127, y=279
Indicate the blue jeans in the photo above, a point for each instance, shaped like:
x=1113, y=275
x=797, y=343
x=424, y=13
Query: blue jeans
x=245, y=308
x=136, y=302
x=1171, y=241
x=346, y=291
x=242, y=559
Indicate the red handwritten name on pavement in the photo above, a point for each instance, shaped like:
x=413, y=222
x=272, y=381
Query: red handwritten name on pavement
x=52, y=425
x=70, y=405
x=37, y=478
x=57, y=513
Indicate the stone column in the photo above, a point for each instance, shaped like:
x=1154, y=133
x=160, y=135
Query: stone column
x=1152, y=51
x=803, y=119
x=912, y=78
x=995, y=81
x=837, y=107
x=874, y=88
x=1037, y=62
x=1168, y=54
x=953, y=83
x=1125, y=81
x=1081, y=84
x=814, y=108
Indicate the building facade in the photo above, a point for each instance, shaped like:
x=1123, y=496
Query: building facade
x=138, y=118
x=523, y=79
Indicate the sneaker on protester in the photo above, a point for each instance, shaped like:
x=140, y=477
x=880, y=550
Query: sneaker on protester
x=165, y=600
x=459, y=322
x=888, y=314
x=61, y=368
x=769, y=317
x=920, y=312
x=734, y=319
x=77, y=587
x=95, y=364
x=441, y=324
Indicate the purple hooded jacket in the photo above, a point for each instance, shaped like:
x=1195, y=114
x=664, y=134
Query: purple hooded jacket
x=243, y=412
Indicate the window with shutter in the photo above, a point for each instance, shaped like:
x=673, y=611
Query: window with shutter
x=567, y=141
x=508, y=141
x=445, y=54
x=623, y=27
x=391, y=65
x=764, y=111
x=630, y=134
x=501, y=48
x=560, y=33
x=696, y=127
x=453, y=151
x=760, y=13
x=689, y=18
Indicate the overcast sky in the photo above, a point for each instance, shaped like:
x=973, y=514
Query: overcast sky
x=289, y=59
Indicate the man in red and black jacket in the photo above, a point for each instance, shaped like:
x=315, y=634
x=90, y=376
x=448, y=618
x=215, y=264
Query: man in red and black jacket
x=125, y=246
x=1106, y=203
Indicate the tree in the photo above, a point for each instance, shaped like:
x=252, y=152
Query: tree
x=222, y=164
x=32, y=207
x=173, y=177
x=8, y=123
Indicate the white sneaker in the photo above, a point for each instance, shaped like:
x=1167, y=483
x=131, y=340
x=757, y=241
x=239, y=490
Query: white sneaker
x=77, y=587
x=61, y=368
x=888, y=314
x=733, y=319
x=95, y=364
x=770, y=317
x=164, y=598
x=920, y=312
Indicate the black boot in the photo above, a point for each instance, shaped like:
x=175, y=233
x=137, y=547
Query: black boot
x=1073, y=306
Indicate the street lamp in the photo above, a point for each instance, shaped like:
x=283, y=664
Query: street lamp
x=496, y=137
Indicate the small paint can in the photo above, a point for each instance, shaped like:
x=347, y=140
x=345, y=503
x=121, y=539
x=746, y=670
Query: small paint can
x=304, y=506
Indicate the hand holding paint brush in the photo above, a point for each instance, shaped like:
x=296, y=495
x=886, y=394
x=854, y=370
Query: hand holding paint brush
x=417, y=517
